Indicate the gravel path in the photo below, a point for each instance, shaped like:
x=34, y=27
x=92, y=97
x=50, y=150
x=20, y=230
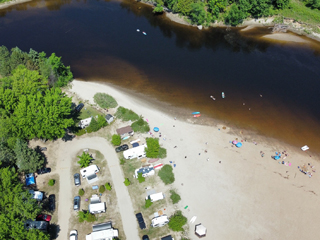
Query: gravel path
x=66, y=154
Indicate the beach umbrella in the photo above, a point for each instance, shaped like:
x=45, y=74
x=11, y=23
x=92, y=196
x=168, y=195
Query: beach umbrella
x=200, y=230
x=234, y=142
x=156, y=129
x=239, y=144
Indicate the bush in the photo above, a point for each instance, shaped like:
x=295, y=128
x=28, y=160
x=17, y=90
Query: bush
x=152, y=150
x=140, y=126
x=85, y=160
x=51, y=182
x=166, y=174
x=91, y=218
x=86, y=216
x=148, y=203
x=108, y=186
x=158, y=9
x=126, y=114
x=162, y=152
x=122, y=161
x=105, y=101
x=177, y=221
x=95, y=125
x=102, y=189
x=127, y=182
x=116, y=140
x=175, y=197
x=141, y=179
x=81, y=192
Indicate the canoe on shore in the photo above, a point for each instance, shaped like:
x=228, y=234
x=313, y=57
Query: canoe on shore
x=196, y=113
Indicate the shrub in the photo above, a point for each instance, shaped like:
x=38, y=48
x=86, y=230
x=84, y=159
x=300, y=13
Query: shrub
x=102, y=189
x=105, y=101
x=177, y=221
x=126, y=114
x=152, y=150
x=91, y=218
x=166, y=174
x=148, y=203
x=116, y=140
x=108, y=186
x=140, y=126
x=175, y=197
x=86, y=216
x=51, y=182
x=158, y=9
x=141, y=179
x=162, y=152
x=122, y=161
x=81, y=192
x=85, y=160
x=127, y=182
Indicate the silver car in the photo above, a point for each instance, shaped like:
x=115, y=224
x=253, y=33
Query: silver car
x=76, y=203
x=76, y=178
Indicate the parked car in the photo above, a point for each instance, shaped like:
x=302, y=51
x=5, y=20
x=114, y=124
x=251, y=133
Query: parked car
x=79, y=107
x=76, y=203
x=44, y=170
x=52, y=202
x=145, y=237
x=122, y=148
x=76, y=178
x=43, y=217
x=141, y=222
x=73, y=235
x=43, y=149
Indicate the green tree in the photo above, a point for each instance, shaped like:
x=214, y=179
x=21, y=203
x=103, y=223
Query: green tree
x=85, y=160
x=62, y=72
x=171, y=3
x=127, y=182
x=5, y=68
x=282, y=4
x=27, y=159
x=153, y=146
x=16, y=206
x=116, y=140
x=81, y=192
x=104, y=100
x=108, y=186
x=158, y=9
x=260, y=7
x=216, y=7
x=7, y=156
x=198, y=14
x=141, y=179
x=175, y=197
x=177, y=221
x=101, y=121
x=166, y=174
x=235, y=15
x=148, y=203
x=51, y=182
x=102, y=189
x=94, y=125
x=183, y=6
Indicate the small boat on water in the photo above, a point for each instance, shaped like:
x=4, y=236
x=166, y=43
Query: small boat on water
x=196, y=113
x=212, y=97
x=222, y=94
x=144, y=33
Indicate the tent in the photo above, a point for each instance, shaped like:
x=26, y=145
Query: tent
x=156, y=129
x=30, y=179
x=200, y=230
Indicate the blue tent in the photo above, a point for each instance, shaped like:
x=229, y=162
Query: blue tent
x=156, y=129
x=239, y=144
x=30, y=179
x=276, y=157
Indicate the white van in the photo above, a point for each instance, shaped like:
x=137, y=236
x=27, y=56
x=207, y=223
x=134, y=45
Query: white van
x=155, y=197
x=159, y=221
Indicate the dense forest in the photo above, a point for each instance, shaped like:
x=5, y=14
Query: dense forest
x=32, y=105
x=231, y=12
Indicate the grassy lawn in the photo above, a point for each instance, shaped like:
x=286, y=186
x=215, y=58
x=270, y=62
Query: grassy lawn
x=301, y=13
x=89, y=111
x=109, y=197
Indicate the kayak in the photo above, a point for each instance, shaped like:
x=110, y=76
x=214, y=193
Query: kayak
x=222, y=95
x=196, y=113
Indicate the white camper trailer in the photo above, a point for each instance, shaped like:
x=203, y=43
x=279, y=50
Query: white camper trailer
x=159, y=221
x=92, y=169
x=137, y=152
x=96, y=206
x=155, y=197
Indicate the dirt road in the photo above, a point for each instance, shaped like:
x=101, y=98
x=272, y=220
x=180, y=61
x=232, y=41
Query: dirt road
x=66, y=153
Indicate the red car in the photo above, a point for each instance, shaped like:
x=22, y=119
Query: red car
x=43, y=217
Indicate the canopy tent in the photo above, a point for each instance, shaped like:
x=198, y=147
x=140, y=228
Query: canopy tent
x=200, y=230
x=156, y=129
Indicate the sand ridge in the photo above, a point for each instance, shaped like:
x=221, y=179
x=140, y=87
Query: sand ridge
x=234, y=192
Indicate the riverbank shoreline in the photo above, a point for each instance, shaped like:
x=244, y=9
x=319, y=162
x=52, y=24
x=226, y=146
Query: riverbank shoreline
x=252, y=196
x=11, y=3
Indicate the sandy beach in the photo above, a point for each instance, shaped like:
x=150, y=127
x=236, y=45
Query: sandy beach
x=11, y=3
x=234, y=192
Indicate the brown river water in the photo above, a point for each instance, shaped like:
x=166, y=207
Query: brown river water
x=179, y=64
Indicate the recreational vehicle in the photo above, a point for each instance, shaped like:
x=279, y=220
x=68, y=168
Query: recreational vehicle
x=137, y=152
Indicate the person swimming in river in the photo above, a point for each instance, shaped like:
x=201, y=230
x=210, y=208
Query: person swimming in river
x=212, y=97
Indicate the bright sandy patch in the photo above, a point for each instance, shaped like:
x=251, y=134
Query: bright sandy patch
x=246, y=196
x=285, y=37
